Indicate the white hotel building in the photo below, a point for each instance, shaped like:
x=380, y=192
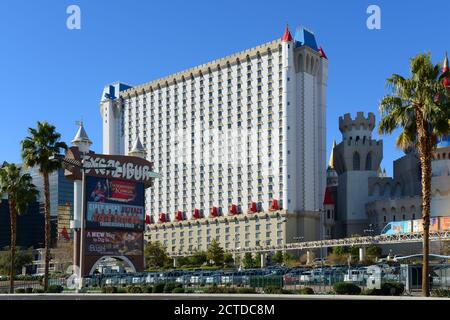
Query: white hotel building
x=243, y=131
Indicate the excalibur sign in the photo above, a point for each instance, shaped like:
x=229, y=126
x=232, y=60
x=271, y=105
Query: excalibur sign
x=109, y=210
x=124, y=167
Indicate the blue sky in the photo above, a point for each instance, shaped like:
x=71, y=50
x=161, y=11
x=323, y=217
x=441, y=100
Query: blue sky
x=48, y=72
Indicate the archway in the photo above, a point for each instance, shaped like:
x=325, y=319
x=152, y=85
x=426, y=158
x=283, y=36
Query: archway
x=103, y=259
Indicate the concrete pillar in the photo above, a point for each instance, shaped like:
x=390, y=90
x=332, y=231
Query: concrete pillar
x=362, y=254
x=308, y=257
x=175, y=262
x=263, y=260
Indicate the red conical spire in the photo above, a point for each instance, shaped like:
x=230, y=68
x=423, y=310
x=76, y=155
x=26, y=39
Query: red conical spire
x=322, y=54
x=445, y=68
x=287, y=35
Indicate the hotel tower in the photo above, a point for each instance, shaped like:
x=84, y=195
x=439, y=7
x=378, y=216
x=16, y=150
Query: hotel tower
x=240, y=135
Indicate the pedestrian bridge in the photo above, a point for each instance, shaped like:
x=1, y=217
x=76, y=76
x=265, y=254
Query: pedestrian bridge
x=344, y=242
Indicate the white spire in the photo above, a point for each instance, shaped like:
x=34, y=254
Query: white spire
x=81, y=139
x=137, y=149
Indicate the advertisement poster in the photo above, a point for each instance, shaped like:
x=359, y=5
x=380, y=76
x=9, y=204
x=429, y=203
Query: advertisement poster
x=400, y=227
x=445, y=223
x=116, y=243
x=417, y=225
x=434, y=224
x=112, y=203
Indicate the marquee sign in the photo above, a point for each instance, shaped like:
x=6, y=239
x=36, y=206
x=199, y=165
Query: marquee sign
x=114, y=206
x=124, y=167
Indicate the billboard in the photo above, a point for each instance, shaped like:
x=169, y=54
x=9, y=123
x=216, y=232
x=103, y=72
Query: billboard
x=445, y=223
x=113, y=203
x=417, y=225
x=434, y=224
x=400, y=227
x=115, y=243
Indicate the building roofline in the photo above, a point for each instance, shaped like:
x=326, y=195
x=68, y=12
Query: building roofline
x=203, y=68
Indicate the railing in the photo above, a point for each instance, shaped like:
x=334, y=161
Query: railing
x=356, y=241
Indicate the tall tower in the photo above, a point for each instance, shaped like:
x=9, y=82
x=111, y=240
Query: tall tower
x=356, y=158
x=305, y=76
x=112, y=116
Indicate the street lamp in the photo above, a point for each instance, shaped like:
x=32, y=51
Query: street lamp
x=80, y=165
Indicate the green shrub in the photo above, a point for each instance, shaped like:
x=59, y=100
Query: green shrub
x=230, y=290
x=306, y=290
x=158, y=288
x=55, y=288
x=122, y=290
x=20, y=290
x=147, y=289
x=134, y=289
x=372, y=292
x=441, y=293
x=392, y=288
x=29, y=290
x=246, y=290
x=273, y=290
x=109, y=289
x=346, y=288
x=178, y=290
x=214, y=289
x=38, y=290
x=168, y=287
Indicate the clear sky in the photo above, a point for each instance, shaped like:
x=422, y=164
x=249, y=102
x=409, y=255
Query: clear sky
x=48, y=72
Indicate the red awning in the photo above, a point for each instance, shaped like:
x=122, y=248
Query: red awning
x=196, y=214
x=162, y=217
x=233, y=209
x=147, y=219
x=274, y=205
x=179, y=215
x=253, y=207
x=214, y=212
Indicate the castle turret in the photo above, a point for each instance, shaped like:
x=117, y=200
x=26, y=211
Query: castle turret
x=332, y=176
x=356, y=159
x=113, y=116
x=137, y=149
x=81, y=139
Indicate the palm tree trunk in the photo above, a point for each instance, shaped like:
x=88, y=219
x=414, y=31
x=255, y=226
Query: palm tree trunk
x=47, y=228
x=425, y=153
x=13, y=215
x=426, y=186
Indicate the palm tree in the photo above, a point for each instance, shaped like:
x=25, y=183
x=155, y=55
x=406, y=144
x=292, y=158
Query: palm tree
x=21, y=191
x=419, y=106
x=41, y=149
